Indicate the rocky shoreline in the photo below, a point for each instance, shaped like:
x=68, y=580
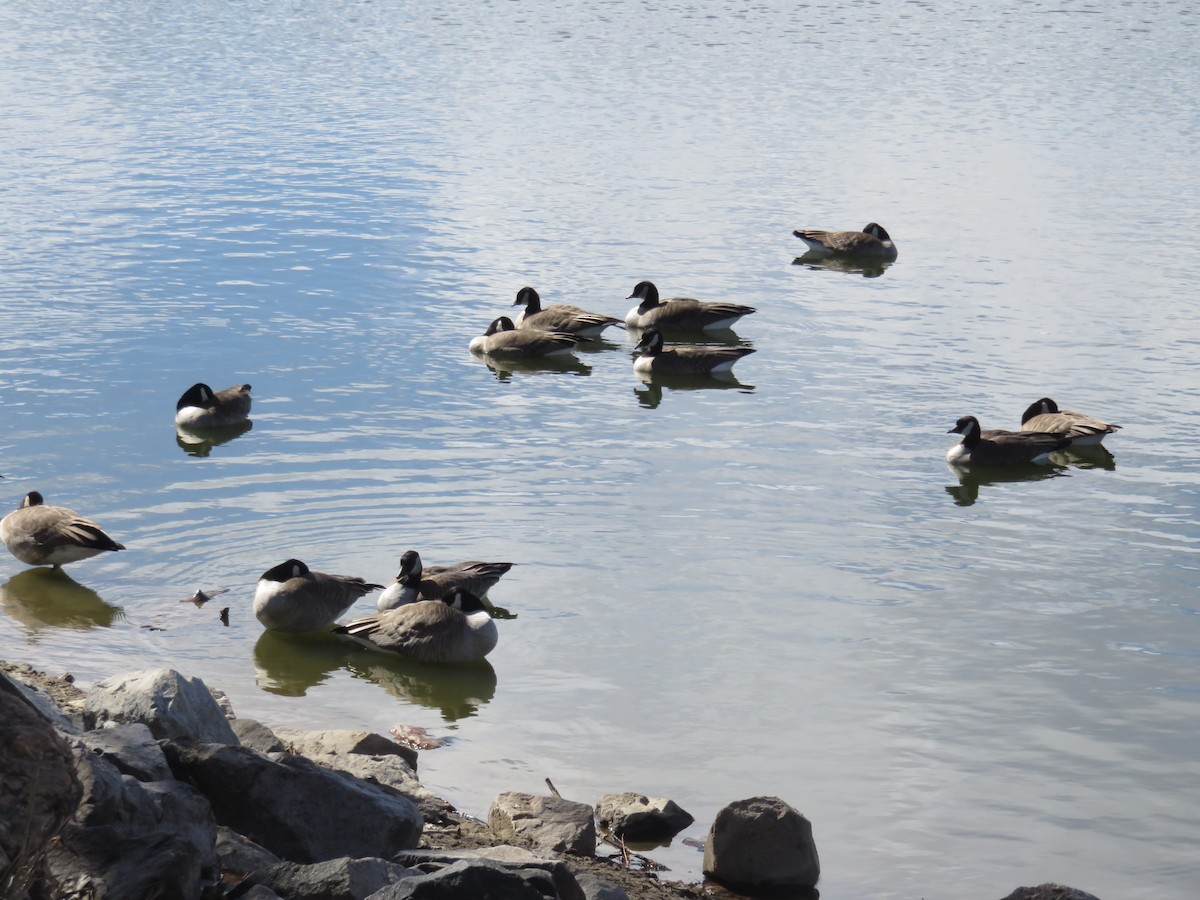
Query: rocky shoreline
x=148, y=785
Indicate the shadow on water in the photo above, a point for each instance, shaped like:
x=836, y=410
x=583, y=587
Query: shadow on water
x=504, y=369
x=867, y=268
x=45, y=597
x=292, y=664
x=971, y=479
x=650, y=394
x=200, y=441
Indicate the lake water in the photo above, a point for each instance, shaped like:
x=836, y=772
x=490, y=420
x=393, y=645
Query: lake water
x=775, y=587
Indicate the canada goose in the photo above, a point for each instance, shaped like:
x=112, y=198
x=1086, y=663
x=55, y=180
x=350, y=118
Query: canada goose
x=680, y=313
x=684, y=359
x=42, y=535
x=417, y=582
x=201, y=407
x=503, y=339
x=872, y=241
x=559, y=317
x=455, y=629
x=292, y=597
x=1000, y=448
x=1044, y=415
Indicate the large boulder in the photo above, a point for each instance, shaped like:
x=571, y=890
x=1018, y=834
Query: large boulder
x=133, y=839
x=131, y=748
x=170, y=705
x=39, y=789
x=388, y=770
x=470, y=878
x=334, y=879
x=559, y=875
x=635, y=817
x=761, y=844
x=1049, y=891
x=293, y=807
x=549, y=823
x=344, y=742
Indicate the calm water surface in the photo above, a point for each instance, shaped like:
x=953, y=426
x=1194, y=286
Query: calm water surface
x=772, y=587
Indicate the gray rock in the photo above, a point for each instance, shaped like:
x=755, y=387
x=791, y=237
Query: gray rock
x=556, y=876
x=463, y=879
x=635, y=817
x=239, y=856
x=133, y=839
x=296, y=809
x=334, y=879
x=131, y=748
x=171, y=705
x=63, y=720
x=254, y=734
x=761, y=843
x=39, y=788
x=344, y=742
x=257, y=892
x=549, y=823
x=1049, y=892
x=595, y=888
x=390, y=770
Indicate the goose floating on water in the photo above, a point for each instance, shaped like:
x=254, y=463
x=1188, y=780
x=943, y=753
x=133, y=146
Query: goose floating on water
x=503, y=339
x=684, y=359
x=1085, y=431
x=42, y=535
x=1000, y=448
x=292, y=597
x=201, y=407
x=559, y=317
x=680, y=313
x=417, y=582
x=455, y=629
x=873, y=241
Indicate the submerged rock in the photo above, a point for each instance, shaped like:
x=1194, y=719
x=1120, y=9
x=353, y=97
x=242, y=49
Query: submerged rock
x=761, y=844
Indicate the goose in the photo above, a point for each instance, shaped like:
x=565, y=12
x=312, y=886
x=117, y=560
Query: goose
x=872, y=241
x=1044, y=415
x=1000, y=448
x=416, y=582
x=503, y=339
x=292, y=597
x=455, y=629
x=684, y=359
x=559, y=317
x=680, y=313
x=201, y=407
x=42, y=535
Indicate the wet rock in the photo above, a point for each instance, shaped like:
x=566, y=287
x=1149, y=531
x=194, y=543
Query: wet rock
x=334, y=879
x=254, y=734
x=761, y=844
x=362, y=743
x=1049, y=892
x=296, y=809
x=39, y=788
x=171, y=705
x=131, y=748
x=549, y=823
x=239, y=856
x=133, y=839
x=634, y=817
x=463, y=879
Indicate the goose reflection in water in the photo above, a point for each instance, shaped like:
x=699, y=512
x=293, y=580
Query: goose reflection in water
x=972, y=478
x=200, y=441
x=46, y=597
x=867, y=268
x=504, y=369
x=292, y=664
x=1094, y=456
x=650, y=393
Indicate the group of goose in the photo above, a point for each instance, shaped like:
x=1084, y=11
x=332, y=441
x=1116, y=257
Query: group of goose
x=434, y=614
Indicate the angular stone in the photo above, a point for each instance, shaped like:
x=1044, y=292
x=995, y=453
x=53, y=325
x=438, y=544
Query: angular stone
x=334, y=879
x=239, y=856
x=635, y=817
x=131, y=748
x=555, y=873
x=392, y=771
x=171, y=705
x=1049, y=891
x=595, y=888
x=296, y=809
x=254, y=734
x=134, y=839
x=761, y=843
x=549, y=823
x=463, y=879
x=364, y=743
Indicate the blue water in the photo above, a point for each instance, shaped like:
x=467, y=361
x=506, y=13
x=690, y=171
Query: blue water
x=772, y=587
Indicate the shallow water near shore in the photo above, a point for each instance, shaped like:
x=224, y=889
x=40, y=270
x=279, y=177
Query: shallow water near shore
x=770, y=586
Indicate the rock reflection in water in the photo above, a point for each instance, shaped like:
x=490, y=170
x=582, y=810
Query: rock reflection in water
x=200, y=441
x=45, y=597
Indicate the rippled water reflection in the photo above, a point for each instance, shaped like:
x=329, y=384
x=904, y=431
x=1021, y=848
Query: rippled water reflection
x=770, y=585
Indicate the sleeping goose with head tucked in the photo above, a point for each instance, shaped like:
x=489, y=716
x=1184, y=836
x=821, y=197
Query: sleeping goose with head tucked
x=502, y=339
x=1085, y=431
x=42, y=535
x=873, y=242
x=202, y=407
x=456, y=629
x=292, y=597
